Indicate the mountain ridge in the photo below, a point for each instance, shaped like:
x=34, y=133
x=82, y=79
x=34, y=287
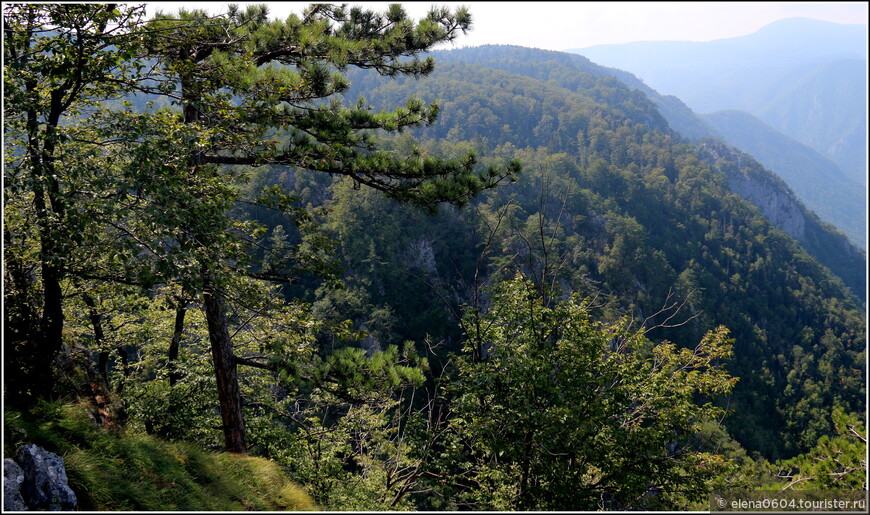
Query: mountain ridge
x=565, y=70
x=768, y=74
x=837, y=40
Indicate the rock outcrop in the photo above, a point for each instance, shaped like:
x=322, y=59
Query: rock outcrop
x=13, y=477
x=36, y=480
x=759, y=187
x=779, y=206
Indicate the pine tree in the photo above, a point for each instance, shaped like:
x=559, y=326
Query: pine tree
x=244, y=83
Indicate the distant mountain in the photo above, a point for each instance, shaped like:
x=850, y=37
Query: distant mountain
x=823, y=106
x=817, y=181
x=776, y=47
x=804, y=77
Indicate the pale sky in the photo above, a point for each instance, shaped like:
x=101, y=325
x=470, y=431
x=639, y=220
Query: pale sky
x=570, y=25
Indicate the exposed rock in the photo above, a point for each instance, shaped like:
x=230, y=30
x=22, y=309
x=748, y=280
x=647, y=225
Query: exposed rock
x=764, y=189
x=45, y=485
x=13, y=477
x=778, y=206
x=421, y=255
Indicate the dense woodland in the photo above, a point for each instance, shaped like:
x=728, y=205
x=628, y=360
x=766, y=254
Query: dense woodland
x=477, y=279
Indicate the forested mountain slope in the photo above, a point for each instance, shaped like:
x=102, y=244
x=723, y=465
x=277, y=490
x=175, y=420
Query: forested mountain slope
x=816, y=181
x=565, y=69
x=634, y=211
x=570, y=71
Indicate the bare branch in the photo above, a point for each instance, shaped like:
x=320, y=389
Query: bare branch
x=858, y=435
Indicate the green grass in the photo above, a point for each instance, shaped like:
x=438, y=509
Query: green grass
x=118, y=471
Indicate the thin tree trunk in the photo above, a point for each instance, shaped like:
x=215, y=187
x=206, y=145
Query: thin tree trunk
x=525, y=464
x=50, y=334
x=125, y=366
x=174, y=372
x=99, y=338
x=175, y=343
x=229, y=396
x=111, y=409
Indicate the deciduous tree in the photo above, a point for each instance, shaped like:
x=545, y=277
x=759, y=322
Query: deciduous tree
x=562, y=412
x=59, y=62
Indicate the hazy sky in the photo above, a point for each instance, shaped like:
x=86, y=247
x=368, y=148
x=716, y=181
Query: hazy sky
x=568, y=25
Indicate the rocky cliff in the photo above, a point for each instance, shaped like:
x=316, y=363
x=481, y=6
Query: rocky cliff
x=778, y=203
x=778, y=206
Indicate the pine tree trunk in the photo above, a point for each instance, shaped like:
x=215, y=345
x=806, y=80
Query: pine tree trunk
x=229, y=396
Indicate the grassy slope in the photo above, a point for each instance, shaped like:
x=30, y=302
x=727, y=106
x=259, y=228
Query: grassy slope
x=111, y=470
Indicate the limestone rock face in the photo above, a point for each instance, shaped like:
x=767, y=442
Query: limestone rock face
x=13, y=477
x=777, y=205
x=766, y=191
x=45, y=485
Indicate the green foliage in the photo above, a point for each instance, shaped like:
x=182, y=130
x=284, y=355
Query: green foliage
x=836, y=462
x=355, y=463
x=264, y=92
x=59, y=63
x=350, y=439
x=246, y=186
x=356, y=374
x=122, y=470
x=621, y=207
x=556, y=411
x=252, y=92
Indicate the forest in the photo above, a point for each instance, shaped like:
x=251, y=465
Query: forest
x=492, y=278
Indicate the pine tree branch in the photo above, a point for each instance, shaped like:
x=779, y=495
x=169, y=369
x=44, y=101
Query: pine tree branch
x=858, y=435
x=255, y=364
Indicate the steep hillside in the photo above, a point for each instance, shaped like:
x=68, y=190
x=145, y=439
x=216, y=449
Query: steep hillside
x=633, y=212
x=818, y=182
x=577, y=74
x=111, y=470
